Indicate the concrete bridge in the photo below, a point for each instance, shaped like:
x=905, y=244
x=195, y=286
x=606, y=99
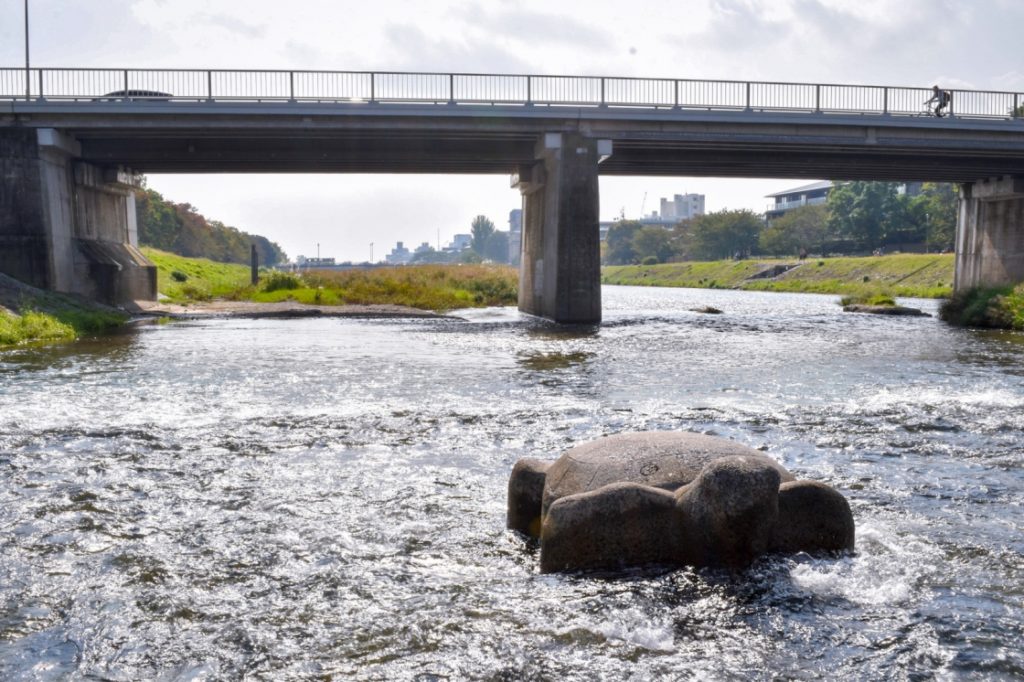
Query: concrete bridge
x=73, y=140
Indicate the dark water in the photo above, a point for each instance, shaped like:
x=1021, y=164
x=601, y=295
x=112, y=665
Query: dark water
x=324, y=499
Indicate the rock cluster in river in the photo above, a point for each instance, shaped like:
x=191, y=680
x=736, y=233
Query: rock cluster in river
x=670, y=498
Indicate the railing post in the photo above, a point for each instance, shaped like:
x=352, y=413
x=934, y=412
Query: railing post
x=291, y=86
x=748, y=95
x=817, y=98
x=951, y=100
x=41, y=84
x=125, y=85
x=209, y=86
x=885, y=100
x=451, y=88
x=373, y=88
x=1016, y=105
x=602, y=91
x=529, y=91
x=675, y=93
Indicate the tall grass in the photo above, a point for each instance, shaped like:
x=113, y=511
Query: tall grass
x=427, y=287
x=998, y=307
x=33, y=327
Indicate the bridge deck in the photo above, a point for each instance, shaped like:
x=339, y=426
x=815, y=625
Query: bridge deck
x=227, y=121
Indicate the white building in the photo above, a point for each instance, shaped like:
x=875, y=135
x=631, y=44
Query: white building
x=399, y=255
x=515, y=235
x=682, y=206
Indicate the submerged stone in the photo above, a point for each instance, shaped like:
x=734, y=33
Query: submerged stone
x=670, y=498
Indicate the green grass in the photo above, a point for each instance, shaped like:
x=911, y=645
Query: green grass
x=909, y=275
x=997, y=307
x=427, y=287
x=205, y=279
x=873, y=299
x=33, y=327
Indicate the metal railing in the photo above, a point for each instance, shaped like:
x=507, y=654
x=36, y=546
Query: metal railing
x=208, y=85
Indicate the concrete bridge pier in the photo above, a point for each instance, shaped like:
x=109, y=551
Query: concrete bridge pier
x=560, y=267
x=990, y=233
x=67, y=225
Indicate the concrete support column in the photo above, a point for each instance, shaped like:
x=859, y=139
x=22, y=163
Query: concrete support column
x=66, y=225
x=560, y=268
x=990, y=233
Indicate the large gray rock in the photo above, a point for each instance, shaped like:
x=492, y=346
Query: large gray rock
x=670, y=498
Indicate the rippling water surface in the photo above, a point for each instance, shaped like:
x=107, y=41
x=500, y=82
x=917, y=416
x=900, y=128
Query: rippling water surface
x=318, y=499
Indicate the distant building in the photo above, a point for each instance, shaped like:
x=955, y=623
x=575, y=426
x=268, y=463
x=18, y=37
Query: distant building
x=817, y=193
x=461, y=242
x=304, y=262
x=424, y=247
x=682, y=207
x=399, y=255
x=804, y=195
x=515, y=235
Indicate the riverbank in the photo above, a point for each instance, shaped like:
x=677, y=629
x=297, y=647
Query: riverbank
x=30, y=315
x=406, y=289
x=906, y=275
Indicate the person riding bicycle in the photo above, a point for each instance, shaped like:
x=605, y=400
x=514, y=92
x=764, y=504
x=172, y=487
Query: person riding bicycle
x=941, y=99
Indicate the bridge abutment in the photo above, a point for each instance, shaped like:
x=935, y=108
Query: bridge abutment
x=66, y=225
x=990, y=233
x=560, y=268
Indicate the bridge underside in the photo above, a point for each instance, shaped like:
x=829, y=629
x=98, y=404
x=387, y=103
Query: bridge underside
x=554, y=152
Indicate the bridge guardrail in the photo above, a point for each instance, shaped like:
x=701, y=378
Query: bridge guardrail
x=227, y=85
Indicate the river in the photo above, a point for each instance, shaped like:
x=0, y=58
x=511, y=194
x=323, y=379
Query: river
x=325, y=498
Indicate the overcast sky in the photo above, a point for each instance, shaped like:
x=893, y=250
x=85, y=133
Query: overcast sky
x=957, y=43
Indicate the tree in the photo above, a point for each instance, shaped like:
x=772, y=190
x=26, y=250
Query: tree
x=723, y=233
x=938, y=202
x=653, y=242
x=619, y=243
x=497, y=247
x=482, y=229
x=804, y=228
x=868, y=214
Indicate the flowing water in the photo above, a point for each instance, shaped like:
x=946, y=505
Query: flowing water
x=325, y=498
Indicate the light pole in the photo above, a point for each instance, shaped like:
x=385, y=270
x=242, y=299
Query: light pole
x=28, y=77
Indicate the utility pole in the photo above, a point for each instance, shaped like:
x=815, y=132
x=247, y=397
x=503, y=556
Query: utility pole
x=371, y=252
x=28, y=75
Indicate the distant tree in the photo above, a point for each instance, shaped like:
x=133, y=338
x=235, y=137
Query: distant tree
x=938, y=203
x=497, y=247
x=801, y=228
x=653, y=242
x=181, y=229
x=619, y=243
x=866, y=213
x=482, y=229
x=723, y=233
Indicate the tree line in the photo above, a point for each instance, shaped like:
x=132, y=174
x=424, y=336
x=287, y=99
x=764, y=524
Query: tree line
x=181, y=229
x=857, y=218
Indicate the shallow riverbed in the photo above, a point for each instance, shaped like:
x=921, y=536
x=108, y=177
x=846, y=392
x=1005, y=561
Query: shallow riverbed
x=307, y=499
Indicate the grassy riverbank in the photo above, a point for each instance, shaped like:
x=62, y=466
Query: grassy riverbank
x=996, y=307
x=909, y=275
x=426, y=287
x=29, y=315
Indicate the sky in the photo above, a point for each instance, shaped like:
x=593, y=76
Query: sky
x=957, y=43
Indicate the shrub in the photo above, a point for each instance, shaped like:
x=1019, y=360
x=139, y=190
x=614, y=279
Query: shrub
x=278, y=280
x=867, y=299
x=650, y=260
x=179, y=276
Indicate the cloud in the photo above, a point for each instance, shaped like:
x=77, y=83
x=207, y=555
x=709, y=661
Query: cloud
x=533, y=27
x=233, y=25
x=412, y=49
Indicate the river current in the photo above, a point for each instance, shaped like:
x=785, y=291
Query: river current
x=325, y=498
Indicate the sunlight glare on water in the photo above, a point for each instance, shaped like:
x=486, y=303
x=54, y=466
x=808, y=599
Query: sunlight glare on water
x=325, y=498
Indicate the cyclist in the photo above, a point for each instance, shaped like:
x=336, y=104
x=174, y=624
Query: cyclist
x=941, y=99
